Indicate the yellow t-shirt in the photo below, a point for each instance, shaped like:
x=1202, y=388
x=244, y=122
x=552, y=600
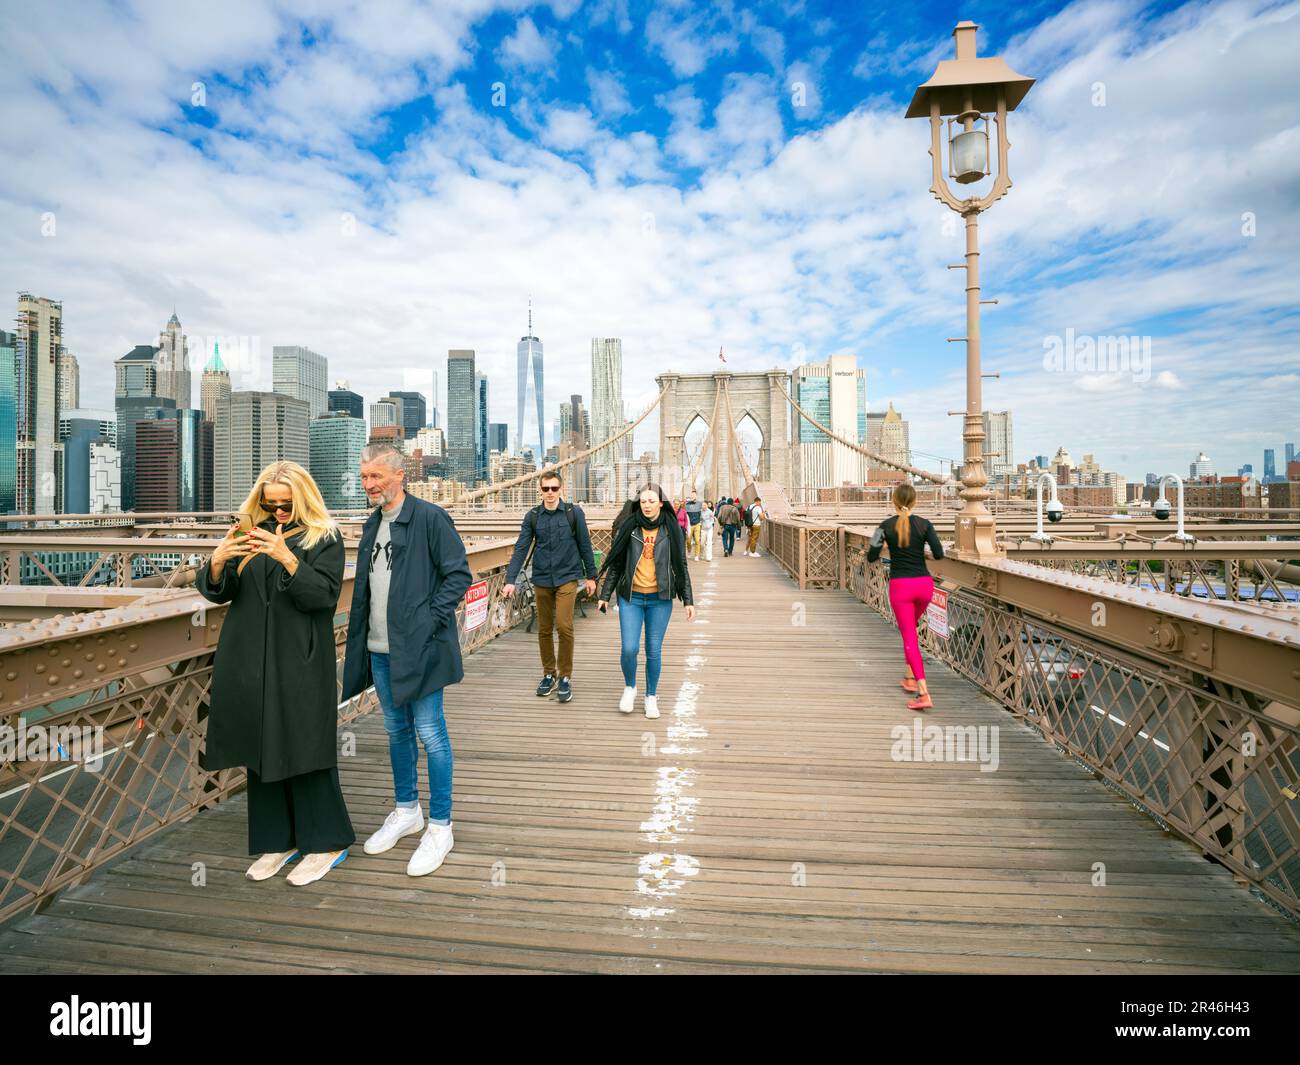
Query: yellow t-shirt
x=644, y=578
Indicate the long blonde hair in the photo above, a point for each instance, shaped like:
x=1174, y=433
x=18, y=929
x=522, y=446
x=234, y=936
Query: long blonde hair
x=309, y=510
x=904, y=498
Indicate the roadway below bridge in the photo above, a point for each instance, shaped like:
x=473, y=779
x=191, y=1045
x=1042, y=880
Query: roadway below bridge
x=767, y=822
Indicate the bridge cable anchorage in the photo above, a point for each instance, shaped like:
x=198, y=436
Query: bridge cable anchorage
x=694, y=472
x=494, y=489
x=925, y=475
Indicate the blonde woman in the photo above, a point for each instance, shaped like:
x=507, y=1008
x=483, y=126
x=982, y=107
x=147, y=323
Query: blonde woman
x=274, y=699
x=910, y=585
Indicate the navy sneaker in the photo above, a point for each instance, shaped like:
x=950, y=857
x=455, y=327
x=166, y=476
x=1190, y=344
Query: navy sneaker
x=547, y=686
x=565, y=692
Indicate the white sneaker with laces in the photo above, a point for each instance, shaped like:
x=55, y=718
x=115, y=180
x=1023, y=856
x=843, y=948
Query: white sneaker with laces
x=628, y=701
x=652, y=706
x=434, y=846
x=401, y=822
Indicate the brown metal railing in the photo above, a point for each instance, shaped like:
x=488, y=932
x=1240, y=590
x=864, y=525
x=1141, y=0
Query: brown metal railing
x=1214, y=761
x=137, y=677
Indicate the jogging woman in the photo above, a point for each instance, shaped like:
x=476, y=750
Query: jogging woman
x=910, y=585
x=646, y=567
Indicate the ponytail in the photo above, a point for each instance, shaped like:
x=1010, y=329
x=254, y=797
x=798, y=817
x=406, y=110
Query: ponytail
x=904, y=497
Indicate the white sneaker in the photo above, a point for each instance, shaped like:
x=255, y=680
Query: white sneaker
x=315, y=866
x=269, y=864
x=401, y=822
x=434, y=846
x=652, y=706
x=628, y=701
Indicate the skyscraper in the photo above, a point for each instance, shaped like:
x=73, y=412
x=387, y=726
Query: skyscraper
x=8, y=421
x=301, y=373
x=999, y=443
x=336, y=442
x=607, y=396
x=106, y=479
x=412, y=412
x=131, y=411
x=69, y=381
x=498, y=437
x=262, y=427
x=78, y=434
x=461, y=411
x=1203, y=467
x=384, y=412
x=39, y=458
x=1270, y=466
x=343, y=398
x=214, y=386
x=172, y=364
x=529, y=352
x=172, y=459
x=1290, y=454
x=894, y=442
x=835, y=393
x=481, y=426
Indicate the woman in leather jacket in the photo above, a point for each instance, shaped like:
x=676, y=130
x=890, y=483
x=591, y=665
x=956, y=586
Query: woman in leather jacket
x=646, y=567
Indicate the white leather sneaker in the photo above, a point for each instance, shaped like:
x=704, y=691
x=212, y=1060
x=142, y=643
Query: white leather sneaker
x=628, y=701
x=399, y=823
x=269, y=864
x=434, y=846
x=652, y=706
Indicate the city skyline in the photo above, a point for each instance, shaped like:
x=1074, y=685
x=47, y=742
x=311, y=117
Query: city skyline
x=752, y=182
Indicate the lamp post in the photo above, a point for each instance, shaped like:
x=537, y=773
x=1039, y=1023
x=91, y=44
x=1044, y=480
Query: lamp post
x=969, y=90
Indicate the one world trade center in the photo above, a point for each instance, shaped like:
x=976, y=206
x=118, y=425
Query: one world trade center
x=530, y=350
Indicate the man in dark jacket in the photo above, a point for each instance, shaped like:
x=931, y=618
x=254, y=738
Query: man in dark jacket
x=729, y=519
x=556, y=533
x=402, y=638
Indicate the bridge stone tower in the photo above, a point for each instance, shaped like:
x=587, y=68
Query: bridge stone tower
x=689, y=396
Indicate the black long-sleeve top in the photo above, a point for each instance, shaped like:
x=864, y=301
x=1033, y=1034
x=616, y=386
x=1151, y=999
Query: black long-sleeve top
x=906, y=561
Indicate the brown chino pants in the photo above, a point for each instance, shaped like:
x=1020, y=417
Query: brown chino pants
x=555, y=611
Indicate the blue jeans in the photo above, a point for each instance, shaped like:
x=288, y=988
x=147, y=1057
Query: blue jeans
x=654, y=613
x=728, y=538
x=422, y=718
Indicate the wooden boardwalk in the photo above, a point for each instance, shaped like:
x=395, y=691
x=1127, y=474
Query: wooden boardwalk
x=760, y=825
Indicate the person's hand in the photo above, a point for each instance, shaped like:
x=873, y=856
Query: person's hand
x=690, y=613
x=508, y=590
x=591, y=589
x=273, y=546
x=232, y=546
x=602, y=605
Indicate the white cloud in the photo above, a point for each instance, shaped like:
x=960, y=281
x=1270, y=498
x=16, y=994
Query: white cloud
x=528, y=47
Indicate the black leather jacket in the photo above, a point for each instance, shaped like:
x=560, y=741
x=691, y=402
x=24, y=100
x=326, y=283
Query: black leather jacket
x=673, y=578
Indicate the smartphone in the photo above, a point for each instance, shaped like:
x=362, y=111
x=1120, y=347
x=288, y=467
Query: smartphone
x=604, y=608
x=245, y=525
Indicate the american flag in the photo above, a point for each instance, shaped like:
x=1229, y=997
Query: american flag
x=720, y=355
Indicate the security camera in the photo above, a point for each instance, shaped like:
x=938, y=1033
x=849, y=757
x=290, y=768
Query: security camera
x=1055, y=512
x=1160, y=509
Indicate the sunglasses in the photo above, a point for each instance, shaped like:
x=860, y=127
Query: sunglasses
x=550, y=488
x=271, y=508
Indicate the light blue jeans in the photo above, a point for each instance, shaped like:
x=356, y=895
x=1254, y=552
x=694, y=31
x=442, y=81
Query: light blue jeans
x=422, y=718
x=653, y=613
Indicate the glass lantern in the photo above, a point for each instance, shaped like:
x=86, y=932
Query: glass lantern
x=968, y=152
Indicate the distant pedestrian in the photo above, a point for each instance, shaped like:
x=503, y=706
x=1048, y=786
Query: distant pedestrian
x=411, y=574
x=555, y=532
x=754, y=515
x=693, y=531
x=729, y=519
x=910, y=585
x=646, y=568
x=708, y=521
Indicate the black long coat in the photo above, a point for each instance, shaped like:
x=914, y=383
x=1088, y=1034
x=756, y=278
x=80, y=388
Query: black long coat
x=429, y=578
x=274, y=698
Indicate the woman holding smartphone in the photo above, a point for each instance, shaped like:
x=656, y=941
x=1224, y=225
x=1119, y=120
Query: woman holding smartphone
x=646, y=567
x=274, y=697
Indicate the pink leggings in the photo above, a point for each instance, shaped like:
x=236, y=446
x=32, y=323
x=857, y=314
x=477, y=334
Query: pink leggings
x=909, y=596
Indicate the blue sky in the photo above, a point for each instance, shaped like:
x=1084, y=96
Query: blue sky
x=385, y=181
